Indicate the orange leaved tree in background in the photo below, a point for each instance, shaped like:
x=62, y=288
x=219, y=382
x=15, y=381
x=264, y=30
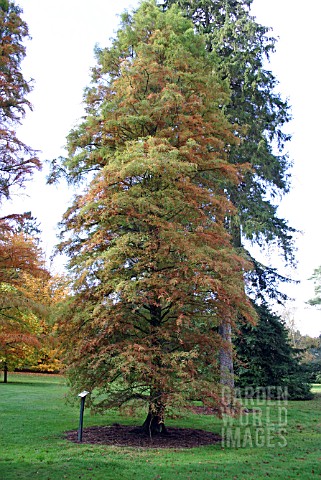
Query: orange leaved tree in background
x=20, y=258
x=28, y=296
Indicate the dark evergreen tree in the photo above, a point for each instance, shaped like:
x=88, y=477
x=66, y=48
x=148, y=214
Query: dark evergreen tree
x=266, y=357
x=242, y=47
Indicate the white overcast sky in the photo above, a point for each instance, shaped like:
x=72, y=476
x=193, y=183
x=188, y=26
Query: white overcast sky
x=60, y=54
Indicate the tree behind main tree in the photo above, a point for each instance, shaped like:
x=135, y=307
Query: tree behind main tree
x=242, y=48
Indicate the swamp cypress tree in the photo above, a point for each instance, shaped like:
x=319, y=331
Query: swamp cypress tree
x=153, y=266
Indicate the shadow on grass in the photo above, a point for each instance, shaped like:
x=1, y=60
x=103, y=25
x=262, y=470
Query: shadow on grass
x=27, y=384
x=31, y=384
x=40, y=380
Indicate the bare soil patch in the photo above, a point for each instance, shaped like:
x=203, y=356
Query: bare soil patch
x=129, y=436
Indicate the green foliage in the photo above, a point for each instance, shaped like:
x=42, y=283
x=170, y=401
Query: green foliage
x=241, y=48
x=266, y=357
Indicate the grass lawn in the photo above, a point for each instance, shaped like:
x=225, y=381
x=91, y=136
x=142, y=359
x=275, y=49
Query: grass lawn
x=276, y=441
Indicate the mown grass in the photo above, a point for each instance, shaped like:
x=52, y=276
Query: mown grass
x=33, y=417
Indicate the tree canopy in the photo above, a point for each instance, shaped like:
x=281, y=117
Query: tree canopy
x=20, y=260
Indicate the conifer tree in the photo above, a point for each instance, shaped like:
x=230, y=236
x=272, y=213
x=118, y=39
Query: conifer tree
x=242, y=48
x=153, y=266
x=19, y=253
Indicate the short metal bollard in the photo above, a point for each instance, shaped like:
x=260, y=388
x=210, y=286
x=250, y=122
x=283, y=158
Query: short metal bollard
x=82, y=396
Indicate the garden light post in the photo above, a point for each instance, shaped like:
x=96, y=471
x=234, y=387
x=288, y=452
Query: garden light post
x=82, y=396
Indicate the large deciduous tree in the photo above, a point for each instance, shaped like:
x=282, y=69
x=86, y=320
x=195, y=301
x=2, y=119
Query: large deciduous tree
x=28, y=295
x=153, y=265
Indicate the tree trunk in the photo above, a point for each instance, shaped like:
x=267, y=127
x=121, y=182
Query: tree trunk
x=225, y=329
x=154, y=423
x=5, y=373
x=226, y=355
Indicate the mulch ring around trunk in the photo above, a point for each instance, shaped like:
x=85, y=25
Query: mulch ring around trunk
x=129, y=436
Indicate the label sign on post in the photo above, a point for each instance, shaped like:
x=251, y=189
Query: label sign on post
x=82, y=396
